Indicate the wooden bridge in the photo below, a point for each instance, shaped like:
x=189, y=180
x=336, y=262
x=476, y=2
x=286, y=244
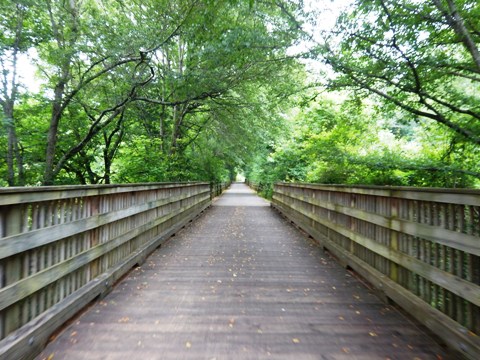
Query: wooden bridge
x=239, y=282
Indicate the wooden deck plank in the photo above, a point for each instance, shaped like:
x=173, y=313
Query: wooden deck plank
x=241, y=283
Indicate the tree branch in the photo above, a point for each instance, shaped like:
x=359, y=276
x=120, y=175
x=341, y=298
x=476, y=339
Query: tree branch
x=456, y=22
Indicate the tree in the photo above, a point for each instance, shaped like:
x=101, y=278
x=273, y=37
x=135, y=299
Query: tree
x=72, y=66
x=187, y=83
x=222, y=46
x=419, y=56
x=213, y=80
x=14, y=41
x=350, y=141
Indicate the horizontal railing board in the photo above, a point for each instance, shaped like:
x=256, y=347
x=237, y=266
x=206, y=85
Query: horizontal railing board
x=14, y=244
x=454, y=239
x=375, y=232
x=468, y=290
x=29, y=285
x=457, y=196
x=23, y=195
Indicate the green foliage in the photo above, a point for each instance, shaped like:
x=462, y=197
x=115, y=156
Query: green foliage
x=147, y=91
x=142, y=161
x=347, y=142
x=421, y=57
x=162, y=90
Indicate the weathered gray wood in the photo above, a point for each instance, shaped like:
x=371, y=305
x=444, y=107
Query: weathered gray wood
x=66, y=238
x=13, y=215
x=27, y=286
x=27, y=195
x=11, y=245
x=447, y=329
x=441, y=195
x=436, y=245
x=454, y=239
x=29, y=340
x=455, y=284
x=241, y=283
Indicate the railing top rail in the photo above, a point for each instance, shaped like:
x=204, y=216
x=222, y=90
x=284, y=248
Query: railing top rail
x=443, y=195
x=19, y=195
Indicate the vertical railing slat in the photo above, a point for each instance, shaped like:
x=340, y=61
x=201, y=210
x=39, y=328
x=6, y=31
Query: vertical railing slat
x=391, y=235
x=58, y=210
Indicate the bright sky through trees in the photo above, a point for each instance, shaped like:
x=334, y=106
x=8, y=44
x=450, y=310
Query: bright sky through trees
x=163, y=90
x=324, y=14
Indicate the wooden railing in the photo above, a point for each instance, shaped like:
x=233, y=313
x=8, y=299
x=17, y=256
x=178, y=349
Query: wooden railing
x=263, y=189
x=218, y=188
x=253, y=185
x=61, y=247
x=420, y=247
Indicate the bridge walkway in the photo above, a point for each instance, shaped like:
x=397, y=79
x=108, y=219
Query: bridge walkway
x=241, y=283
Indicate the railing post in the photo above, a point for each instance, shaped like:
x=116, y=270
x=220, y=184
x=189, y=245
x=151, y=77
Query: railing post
x=13, y=266
x=94, y=206
x=353, y=199
x=418, y=246
x=394, y=240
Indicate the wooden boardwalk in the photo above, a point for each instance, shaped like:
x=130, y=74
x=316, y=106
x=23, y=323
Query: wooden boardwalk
x=241, y=283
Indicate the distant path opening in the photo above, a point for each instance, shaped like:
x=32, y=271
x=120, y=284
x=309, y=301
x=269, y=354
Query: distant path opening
x=241, y=283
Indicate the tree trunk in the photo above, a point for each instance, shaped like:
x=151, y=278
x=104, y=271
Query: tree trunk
x=14, y=156
x=9, y=94
x=111, y=148
x=52, y=138
x=176, y=124
x=58, y=105
x=12, y=138
x=457, y=24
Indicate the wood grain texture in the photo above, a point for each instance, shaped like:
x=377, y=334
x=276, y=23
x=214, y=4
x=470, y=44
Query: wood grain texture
x=422, y=252
x=241, y=283
x=56, y=255
x=456, y=285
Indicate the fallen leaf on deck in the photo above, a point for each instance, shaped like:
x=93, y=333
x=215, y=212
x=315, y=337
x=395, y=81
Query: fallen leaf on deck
x=295, y=340
x=188, y=345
